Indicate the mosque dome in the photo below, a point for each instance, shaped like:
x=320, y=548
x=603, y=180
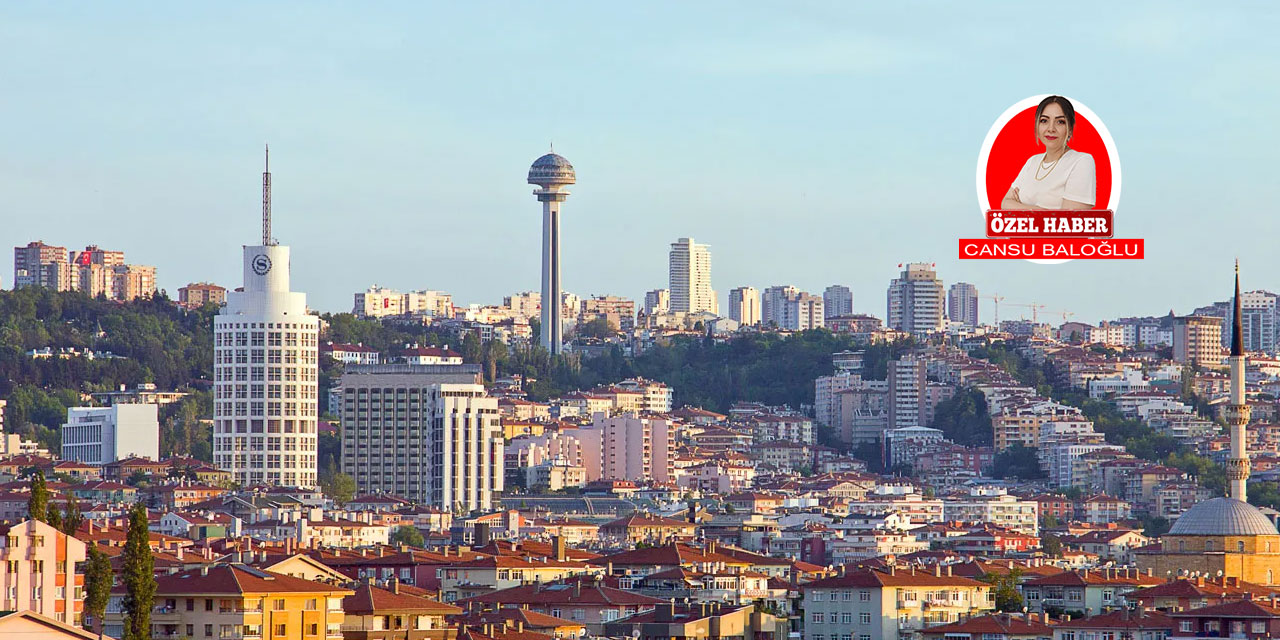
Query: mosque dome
x=551, y=169
x=1223, y=517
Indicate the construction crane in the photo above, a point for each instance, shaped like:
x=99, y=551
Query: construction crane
x=995, y=299
x=1034, y=309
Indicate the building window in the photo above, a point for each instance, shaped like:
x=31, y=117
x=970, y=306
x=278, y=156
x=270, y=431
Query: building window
x=864, y=596
x=819, y=618
x=846, y=618
x=1240, y=546
x=817, y=595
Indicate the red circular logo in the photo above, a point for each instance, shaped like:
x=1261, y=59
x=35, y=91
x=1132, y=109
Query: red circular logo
x=1016, y=142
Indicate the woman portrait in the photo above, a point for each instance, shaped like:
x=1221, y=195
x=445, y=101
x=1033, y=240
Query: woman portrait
x=1061, y=178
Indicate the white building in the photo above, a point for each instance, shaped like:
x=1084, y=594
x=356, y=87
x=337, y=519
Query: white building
x=962, y=304
x=689, y=272
x=378, y=302
x=657, y=301
x=427, y=433
x=266, y=364
x=915, y=300
x=771, y=303
x=744, y=306
x=837, y=300
x=907, y=386
x=996, y=506
x=802, y=312
x=98, y=435
x=526, y=304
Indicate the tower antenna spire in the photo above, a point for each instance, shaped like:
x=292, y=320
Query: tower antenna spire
x=266, y=197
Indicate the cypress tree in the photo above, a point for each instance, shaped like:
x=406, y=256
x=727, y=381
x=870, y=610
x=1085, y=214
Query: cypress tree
x=97, y=586
x=38, y=503
x=72, y=517
x=138, y=571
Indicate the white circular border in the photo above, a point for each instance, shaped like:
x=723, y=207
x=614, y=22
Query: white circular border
x=1018, y=107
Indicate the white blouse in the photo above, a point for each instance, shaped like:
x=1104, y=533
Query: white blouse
x=1072, y=178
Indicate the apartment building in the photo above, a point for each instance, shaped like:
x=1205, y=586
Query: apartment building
x=689, y=274
x=198, y=294
x=237, y=601
x=428, y=433
x=995, y=506
x=657, y=301
x=908, y=385
x=1198, y=340
x=916, y=302
x=962, y=304
x=744, y=306
x=628, y=447
x=837, y=300
x=892, y=604
x=37, y=568
x=1022, y=423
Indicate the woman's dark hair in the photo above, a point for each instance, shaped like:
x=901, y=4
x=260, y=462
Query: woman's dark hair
x=1067, y=110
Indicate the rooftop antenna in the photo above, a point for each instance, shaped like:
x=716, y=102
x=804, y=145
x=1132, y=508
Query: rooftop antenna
x=266, y=198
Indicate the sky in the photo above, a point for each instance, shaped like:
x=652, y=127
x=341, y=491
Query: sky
x=808, y=143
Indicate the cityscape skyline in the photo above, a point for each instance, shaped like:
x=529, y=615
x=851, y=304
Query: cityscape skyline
x=431, y=164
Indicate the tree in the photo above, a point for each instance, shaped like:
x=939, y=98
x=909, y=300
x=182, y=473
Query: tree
x=137, y=567
x=1017, y=462
x=1004, y=590
x=407, y=534
x=53, y=517
x=38, y=503
x=341, y=488
x=97, y=586
x=72, y=517
x=1051, y=545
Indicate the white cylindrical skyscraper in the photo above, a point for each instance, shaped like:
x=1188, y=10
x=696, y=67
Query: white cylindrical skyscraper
x=266, y=354
x=551, y=173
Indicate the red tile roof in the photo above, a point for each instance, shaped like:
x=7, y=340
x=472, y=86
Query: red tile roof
x=371, y=600
x=560, y=593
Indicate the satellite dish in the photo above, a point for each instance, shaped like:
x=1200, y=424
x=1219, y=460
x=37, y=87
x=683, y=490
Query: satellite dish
x=635, y=633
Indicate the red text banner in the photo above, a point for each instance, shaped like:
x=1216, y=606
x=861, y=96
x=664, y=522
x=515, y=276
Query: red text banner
x=1056, y=224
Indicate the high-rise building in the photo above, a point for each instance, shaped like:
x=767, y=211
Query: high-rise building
x=552, y=174
x=628, y=447
x=689, y=272
x=41, y=265
x=657, y=301
x=802, y=312
x=790, y=309
x=266, y=355
x=427, y=433
x=772, y=301
x=907, y=388
x=744, y=306
x=98, y=435
x=1259, y=320
x=962, y=304
x=837, y=300
x=94, y=271
x=1197, y=339
x=916, y=300
x=198, y=294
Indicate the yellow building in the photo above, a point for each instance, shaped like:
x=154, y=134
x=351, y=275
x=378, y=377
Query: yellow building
x=233, y=601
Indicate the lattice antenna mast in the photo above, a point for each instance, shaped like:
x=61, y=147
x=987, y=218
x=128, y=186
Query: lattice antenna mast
x=266, y=200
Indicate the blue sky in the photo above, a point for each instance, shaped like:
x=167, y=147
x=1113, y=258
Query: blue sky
x=808, y=143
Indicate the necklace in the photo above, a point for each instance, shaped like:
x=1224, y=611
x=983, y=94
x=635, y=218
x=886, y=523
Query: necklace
x=1050, y=166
